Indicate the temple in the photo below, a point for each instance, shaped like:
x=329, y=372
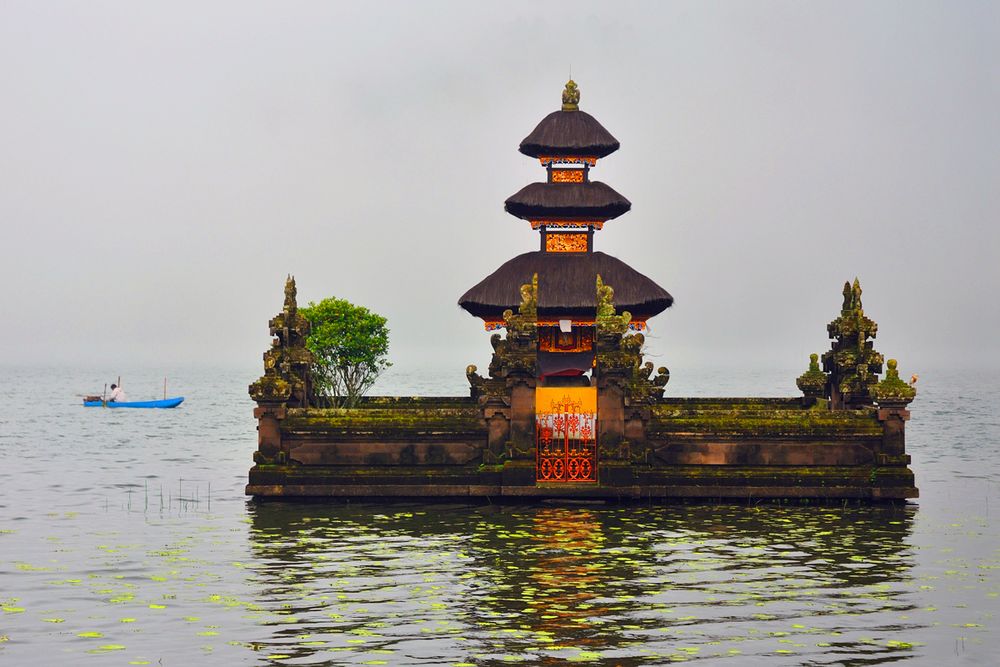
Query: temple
x=568, y=407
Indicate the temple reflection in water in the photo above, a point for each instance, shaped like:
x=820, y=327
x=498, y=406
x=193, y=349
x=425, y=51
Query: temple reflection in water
x=548, y=583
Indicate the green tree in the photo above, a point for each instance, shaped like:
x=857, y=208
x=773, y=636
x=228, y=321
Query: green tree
x=351, y=347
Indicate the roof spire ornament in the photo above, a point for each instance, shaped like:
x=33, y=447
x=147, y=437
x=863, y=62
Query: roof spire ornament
x=291, y=306
x=852, y=364
x=571, y=97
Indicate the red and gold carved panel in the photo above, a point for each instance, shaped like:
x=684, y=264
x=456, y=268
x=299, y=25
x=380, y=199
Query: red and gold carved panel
x=566, y=242
x=553, y=339
x=566, y=434
x=567, y=176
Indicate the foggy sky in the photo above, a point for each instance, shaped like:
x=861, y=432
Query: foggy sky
x=165, y=165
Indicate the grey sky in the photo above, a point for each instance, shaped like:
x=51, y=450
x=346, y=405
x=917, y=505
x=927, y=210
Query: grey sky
x=164, y=165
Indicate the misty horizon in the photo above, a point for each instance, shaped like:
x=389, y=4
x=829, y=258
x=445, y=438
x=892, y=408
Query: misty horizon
x=165, y=169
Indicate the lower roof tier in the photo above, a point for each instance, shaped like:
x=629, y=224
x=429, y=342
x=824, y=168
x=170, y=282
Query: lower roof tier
x=567, y=286
x=592, y=200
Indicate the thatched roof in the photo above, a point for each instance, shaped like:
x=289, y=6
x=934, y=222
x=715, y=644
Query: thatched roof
x=570, y=133
x=567, y=285
x=567, y=200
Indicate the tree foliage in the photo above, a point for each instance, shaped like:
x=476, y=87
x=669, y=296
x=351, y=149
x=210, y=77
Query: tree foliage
x=351, y=347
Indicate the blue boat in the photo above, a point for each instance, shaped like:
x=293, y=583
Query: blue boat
x=163, y=403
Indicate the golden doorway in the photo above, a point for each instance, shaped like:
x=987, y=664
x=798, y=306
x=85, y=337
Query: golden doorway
x=566, y=434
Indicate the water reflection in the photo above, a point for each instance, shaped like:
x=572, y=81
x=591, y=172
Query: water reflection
x=431, y=584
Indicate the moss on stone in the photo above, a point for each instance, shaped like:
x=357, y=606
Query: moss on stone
x=772, y=417
x=392, y=424
x=892, y=388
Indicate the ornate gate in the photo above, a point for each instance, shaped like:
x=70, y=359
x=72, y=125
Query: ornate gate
x=566, y=434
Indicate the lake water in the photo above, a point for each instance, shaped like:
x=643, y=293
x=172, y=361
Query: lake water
x=125, y=538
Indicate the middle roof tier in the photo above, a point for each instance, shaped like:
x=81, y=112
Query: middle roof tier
x=570, y=201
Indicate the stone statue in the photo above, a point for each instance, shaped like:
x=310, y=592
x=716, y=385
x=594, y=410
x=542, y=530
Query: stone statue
x=605, y=299
x=529, y=299
x=571, y=97
x=476, y=381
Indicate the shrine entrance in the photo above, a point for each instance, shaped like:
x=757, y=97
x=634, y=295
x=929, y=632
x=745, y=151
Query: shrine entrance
x=566, y=434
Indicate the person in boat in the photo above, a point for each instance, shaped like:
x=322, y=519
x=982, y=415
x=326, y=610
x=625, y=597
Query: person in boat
x=117, y=395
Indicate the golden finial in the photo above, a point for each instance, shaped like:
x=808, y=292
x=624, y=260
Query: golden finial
x=571, y=97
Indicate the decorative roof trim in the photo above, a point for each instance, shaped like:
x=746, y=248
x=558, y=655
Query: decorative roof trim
x=497, y=324
x=546, y=160
x=569, y=224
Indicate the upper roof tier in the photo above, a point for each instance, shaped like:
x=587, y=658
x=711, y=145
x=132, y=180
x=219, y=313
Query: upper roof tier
x=569, y=132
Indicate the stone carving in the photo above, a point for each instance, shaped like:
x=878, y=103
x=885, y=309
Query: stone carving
x=644, y=388
x=518, y=352
x=812, y=383
x=852, y=362
x=529, y=300
x=627, y=388
x=477, y=383
x=504, y=396
x=893, y=390
x=607, y=322
x=662, y=378
x=286, y=365
x=616, y=352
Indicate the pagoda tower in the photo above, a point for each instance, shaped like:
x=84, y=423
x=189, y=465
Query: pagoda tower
x=548, y=301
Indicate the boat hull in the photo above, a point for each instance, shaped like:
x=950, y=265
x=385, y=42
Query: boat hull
x=164, y=403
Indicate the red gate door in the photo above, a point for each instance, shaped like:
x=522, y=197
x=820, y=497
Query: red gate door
x=566, y=434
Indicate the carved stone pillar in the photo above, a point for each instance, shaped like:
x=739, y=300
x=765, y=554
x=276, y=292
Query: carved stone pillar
x=636, y=419
x=269, y=415
x=522, y=415
x=271, y=393
x=497, y=416
x=893, y=417
x=893, y=395
x=611, y=412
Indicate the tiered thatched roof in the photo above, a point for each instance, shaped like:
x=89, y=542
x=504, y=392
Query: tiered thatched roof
x=593, y=200
x=569, y=133
x=567, y=284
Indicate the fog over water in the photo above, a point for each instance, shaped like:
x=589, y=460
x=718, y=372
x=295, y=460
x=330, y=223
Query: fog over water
x=165, y=165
